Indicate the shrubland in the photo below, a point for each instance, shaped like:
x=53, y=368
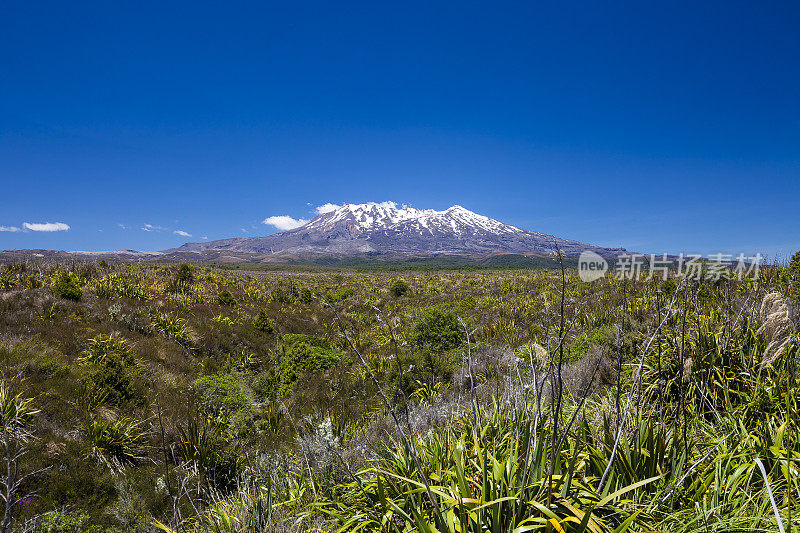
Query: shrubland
x=188, y=398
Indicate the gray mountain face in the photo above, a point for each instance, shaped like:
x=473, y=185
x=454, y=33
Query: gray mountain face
x=385, y=228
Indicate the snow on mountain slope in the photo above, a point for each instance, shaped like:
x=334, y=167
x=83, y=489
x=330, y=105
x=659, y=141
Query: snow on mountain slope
x=386, y=216
x=382, y=228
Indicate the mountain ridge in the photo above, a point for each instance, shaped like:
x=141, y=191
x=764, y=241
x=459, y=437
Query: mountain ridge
x=375, y=229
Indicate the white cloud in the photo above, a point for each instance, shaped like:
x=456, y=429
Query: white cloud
x=9, y=228
x=284, y=222
x=182, y=233
x=123, y=226
x=150, y=227
x=45, y=226
x=326, y=208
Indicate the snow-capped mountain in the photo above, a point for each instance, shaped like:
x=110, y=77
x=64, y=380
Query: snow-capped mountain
x=384, y=228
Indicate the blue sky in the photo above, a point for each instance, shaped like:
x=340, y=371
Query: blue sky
x=661, y=127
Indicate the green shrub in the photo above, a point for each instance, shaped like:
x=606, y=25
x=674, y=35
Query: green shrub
x=33, y=282
x=66, y=522
x=203, y=443
x=118, y=285
x=305, y=295
x=182, y=281
x=226, y=298
x=398, y=288
x=305, y=354
x=342, y=293
x=266, y=385
x=437, y=331
x=794, y=275
x=294, y=338
x=588, y=338
x=171, y=326
x=111, y=383
x=280, y=295
x=184, y=274
x=115, y=443
x=67, y=287
x=468, y=303
x=7, y=280
x=263, y=323
x=221, y=394
x=101, y=348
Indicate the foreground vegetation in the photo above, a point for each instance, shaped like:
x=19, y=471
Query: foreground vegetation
x=176, y=398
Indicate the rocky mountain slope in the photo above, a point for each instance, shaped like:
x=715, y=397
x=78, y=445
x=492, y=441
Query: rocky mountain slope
x=385, y=228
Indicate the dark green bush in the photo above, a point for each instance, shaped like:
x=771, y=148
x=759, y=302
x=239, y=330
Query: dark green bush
x=305, y=354
x=305, y=295
x=794, y=275
x=263, y=323
x=67, y=522
x=398, y=288
x=266, y=385
x=281, y=295
x=294, y=338
x=111, y=382
x=33, y=282
x=590, y=337
x=7, y=280
x=67, y=287
x=437, y=331
x=182, y=280
x=342, y=293
x=203, y=442
x=226, y=298
x=184, y=274
x=220, y=393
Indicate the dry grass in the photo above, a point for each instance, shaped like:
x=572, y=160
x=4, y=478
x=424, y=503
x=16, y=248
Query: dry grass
x=776, y=326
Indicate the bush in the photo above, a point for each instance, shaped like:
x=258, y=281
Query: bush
x=280, y=295
x=67, y=522
x=184, y=274
x=437, y=331
x=226, y=298
x=111, y=382
x=33, y=282
x=266, y=385
x=794, y=275
x=67, y=287
x=305, y=354
x=221, y=393
x=398, y=288
x=7, y=280
x=116, y=443
x=342, y=293
x=171, y=326
x=305, y=295
x=263, y=324
x=589, y=338
x=291, y=339
x=181, y=282
x=202, y=442
x=101, y=348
